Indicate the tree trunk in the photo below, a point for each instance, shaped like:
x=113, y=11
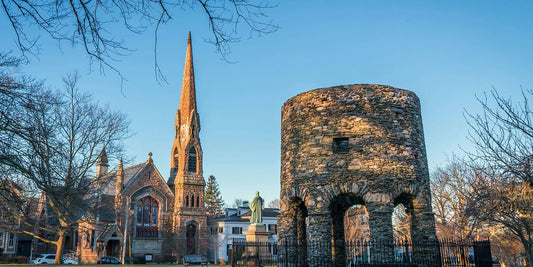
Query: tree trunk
x=59, y=249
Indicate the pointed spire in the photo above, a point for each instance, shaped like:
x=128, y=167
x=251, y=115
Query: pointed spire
x=102, y=158
x=120, y=179
x=120, y=166
x=188, y=90
x=101, y=163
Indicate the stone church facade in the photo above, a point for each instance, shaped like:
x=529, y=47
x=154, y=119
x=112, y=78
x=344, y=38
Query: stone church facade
x=153, y=218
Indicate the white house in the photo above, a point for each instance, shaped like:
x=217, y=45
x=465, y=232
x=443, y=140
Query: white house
x=231, y=227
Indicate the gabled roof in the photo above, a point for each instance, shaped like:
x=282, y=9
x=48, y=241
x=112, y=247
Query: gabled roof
x=110, y=179
x=108, y=231
x=135, y=177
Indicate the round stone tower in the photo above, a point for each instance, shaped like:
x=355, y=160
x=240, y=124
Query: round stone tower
x=346, y=145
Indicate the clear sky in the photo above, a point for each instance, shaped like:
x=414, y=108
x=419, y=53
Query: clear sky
x=447, y=52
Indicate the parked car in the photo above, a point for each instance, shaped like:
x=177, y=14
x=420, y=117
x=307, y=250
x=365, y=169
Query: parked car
x=108, y=260
x=196, y=259
x=70, y=258
x=45, y=259
x=34, y=258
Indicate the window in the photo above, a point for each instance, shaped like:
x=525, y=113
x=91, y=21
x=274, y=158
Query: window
x=11, y=239
x=236, y=230
x=198, y=201
x=92, y=237
x=273, y=228
x=192, y=201
x=176, y=158
x=147, y=214
x=1, y=239
x=341, y=145
x=221, y=230
x=186, y=201
x=192, y=160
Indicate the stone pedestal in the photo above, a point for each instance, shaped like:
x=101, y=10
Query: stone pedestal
x=256, y=244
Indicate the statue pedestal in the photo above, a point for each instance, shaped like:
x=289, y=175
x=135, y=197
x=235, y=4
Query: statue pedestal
x=256, y=245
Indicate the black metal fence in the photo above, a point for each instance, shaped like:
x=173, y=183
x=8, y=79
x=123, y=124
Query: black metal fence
x=444, y=253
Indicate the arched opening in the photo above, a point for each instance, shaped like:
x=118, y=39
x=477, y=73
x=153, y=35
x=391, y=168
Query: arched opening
x=176, y=158
x=401, y=217
x=340, y=219
x=198, y=201
x=113, y=248
x=68, y=243
x=186, y=201
x=191, y=166
x=192, y=238
x=192, y=200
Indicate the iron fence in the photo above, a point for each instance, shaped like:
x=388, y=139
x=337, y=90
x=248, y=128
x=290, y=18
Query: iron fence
x=444, y=253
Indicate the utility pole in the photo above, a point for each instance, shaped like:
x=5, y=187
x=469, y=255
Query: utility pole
x=124, y=246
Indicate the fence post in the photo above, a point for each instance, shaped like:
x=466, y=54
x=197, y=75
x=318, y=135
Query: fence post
x=482, y=254
x=233, y=253
x=286, y=253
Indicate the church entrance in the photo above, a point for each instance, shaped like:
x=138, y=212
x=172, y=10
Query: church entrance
x=192, y=238
x=113, y=248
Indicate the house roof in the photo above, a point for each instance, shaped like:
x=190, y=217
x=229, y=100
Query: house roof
x=110, y=179
x=267, y=213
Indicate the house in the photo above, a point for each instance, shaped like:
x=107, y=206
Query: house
x=224, y=230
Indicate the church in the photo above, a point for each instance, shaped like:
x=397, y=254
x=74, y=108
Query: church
x=153, y=218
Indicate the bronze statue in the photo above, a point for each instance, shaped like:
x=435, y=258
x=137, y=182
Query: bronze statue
x=256, y=206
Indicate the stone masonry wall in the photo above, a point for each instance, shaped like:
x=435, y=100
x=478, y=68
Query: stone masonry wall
x=364, y=140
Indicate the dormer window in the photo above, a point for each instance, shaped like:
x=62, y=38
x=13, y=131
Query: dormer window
x=192, y=161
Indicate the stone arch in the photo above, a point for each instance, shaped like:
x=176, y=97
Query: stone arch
x=152, y=192
x=338, y=207
x=191, y=235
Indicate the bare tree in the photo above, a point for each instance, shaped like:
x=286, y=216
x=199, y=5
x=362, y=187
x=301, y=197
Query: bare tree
x=51, y=141
x=503, y=138
x=401, y=223
x=95, y=24
x=237, y=203
x=274, y=204
x=452, y=189
x=506, y=202
x=503, y=135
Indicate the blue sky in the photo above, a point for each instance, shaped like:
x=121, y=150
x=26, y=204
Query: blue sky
x=447, y=52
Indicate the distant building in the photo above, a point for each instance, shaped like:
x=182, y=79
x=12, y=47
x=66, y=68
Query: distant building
x=224, y=230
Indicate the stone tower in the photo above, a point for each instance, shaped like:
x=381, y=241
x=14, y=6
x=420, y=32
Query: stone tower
x=186, y=177
x=351, y=145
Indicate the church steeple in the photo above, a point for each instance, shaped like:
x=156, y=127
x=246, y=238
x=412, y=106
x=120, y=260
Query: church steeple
x=186, y=178
x=188, y=90
x=186, y=150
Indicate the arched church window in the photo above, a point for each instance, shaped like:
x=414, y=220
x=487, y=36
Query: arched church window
x=186, y=201
x=198, y=201
x=147, y=214
x=192, y=160
x=176, y=158
x=192, y=201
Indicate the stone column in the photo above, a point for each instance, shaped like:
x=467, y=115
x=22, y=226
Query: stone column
x=381, y=234
x=425, y=242
x=286, y=239
x=319, y=239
